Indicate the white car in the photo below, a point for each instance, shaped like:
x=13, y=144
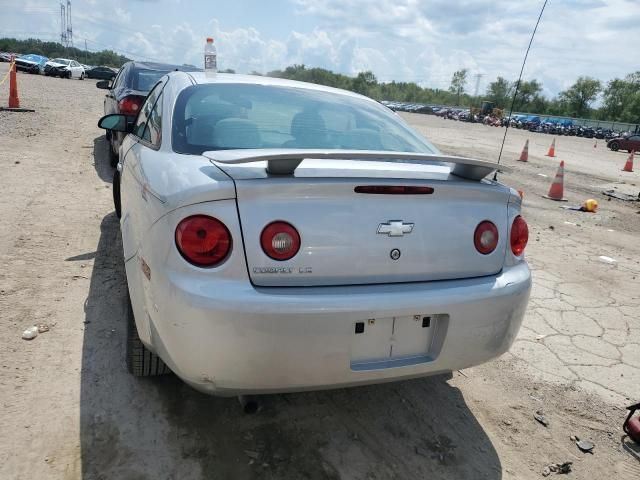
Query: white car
x=64, y=68
x=283, y=236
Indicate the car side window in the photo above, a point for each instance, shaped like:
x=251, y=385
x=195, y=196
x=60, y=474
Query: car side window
x=153, y=132
x=145, y=112
x=118, y=77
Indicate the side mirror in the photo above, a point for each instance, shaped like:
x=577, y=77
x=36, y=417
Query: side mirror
x=104, y=84
x=116, y=122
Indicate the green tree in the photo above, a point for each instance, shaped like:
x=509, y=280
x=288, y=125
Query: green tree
x=528, y=93
x=499, y=92
x=458, y=82
x=364, y=82
x=580, y=96
x=54, y=49
x=620, y=99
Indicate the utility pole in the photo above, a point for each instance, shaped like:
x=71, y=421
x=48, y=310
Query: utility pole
x=69, y=27
x=475, y=96
x=63, y=25
x=478, y=77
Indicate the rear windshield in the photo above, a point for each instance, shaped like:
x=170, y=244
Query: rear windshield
x=144, y=79
x=246, y=116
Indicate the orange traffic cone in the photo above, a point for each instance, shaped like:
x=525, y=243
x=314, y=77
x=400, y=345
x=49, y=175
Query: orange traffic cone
x=628, y=167
x=524, y=156
x=552, y=149
x=14, y=101
x=556, y=192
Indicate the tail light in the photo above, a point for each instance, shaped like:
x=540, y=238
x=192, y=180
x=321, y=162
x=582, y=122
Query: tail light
x=203, y=241
x=280, y=241
x=519, y=236
x=130, y=105
x=486, y=237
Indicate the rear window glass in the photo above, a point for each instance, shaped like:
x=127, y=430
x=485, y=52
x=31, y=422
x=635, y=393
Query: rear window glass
x=144, y=80
x=246, y=116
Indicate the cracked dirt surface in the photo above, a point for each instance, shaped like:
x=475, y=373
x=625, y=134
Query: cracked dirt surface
x=70, y=410
x=583, y=322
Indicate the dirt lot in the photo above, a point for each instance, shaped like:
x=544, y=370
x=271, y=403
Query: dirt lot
x=71, y=411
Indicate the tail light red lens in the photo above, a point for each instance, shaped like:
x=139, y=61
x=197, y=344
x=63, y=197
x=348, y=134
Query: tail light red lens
x=486, y=237
x=203, y=241
x=130, y=105
x=519, y=236
x=280, y=241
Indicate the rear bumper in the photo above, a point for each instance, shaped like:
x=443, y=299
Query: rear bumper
x=229, y=338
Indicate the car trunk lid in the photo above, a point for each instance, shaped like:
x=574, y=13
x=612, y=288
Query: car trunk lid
x=351, y=238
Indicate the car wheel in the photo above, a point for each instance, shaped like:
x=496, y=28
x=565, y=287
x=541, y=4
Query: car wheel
x=69, y=75
x=116, y=194
x=615, y=146
x=82, y=76
x=140, y=361
x=113, y=156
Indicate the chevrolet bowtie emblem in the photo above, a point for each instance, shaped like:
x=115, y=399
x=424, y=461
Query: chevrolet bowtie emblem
x=395, y=228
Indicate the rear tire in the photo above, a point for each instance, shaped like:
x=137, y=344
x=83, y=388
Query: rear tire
x=140, y=361
x=82, y=76
x=113, y=156
x=116, y=194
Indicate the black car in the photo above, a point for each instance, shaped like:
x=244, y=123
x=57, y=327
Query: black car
x=104, y=73
x=128, y=91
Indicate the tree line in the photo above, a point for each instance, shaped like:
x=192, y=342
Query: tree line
x=54, y=49
x=620, y=96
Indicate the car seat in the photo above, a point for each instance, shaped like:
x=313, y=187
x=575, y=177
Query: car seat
x=308, y=130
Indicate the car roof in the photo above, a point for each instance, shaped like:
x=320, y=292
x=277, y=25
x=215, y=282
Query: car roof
x=201, y=79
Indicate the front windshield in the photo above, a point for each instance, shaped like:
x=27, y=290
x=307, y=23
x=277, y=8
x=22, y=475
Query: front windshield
x=246, y=116
x=61, y=61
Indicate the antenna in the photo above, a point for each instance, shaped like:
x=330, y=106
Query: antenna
x=515, y=92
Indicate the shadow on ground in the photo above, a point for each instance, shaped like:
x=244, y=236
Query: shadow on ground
x=160, y=428
x=101, y=159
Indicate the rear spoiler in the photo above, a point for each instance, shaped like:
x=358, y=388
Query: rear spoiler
x=285, y=161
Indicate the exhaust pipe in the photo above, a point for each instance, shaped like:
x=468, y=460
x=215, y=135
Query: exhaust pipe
x=249, y=404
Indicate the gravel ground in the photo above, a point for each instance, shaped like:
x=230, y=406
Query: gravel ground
x=71, y=411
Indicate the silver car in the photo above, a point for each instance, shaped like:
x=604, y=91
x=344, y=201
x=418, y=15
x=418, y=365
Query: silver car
x=282, y=236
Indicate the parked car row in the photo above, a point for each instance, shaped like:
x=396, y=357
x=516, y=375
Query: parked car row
x=58, y=67
x=409, y=107
x=616, y=140
x=461, y=114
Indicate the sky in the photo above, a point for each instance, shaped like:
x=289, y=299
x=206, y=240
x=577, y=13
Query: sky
x=423, y=41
